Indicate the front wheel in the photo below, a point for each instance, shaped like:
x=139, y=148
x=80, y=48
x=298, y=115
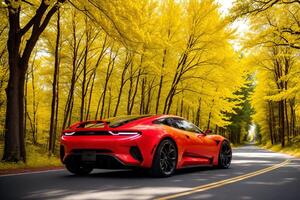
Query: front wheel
x=225, y=155
x=165, y=159
x=76, y=168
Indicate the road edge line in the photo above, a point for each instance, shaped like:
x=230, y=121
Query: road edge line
x=33, y=172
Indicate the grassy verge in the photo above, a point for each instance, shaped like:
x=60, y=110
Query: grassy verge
x=292, y=149
x=36, y=158
x=237, y=145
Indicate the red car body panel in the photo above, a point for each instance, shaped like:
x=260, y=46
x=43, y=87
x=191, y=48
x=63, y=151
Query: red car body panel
x=193, y=149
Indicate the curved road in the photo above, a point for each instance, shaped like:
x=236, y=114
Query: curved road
x=254, y=174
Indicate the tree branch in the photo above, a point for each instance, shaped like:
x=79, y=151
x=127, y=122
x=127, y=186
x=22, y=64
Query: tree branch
x=37, y=28
x=38, y=15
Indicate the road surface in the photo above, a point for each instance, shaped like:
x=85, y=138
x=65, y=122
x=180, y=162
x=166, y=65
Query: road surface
x=254, y=174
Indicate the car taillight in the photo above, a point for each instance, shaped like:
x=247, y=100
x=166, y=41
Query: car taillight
x=128, y=133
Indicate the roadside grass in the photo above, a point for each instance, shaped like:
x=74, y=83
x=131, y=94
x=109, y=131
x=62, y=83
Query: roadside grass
x=292, y=149
x=235, y=145
x=238, y=145
x=36, y=158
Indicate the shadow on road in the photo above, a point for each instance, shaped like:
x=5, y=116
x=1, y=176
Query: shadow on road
x=138, y=173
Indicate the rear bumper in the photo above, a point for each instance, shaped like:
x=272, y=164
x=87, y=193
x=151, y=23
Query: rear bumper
x=111, y=152
x=103, y=161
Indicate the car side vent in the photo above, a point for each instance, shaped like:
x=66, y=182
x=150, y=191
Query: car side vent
x=136, y=153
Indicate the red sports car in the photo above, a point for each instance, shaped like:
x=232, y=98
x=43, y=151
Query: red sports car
x=161, y=143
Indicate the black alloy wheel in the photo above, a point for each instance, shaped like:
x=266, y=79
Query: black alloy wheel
x=225, y=155
x=165, y=159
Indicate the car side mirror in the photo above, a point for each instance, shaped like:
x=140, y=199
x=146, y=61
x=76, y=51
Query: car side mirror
x=208, y=131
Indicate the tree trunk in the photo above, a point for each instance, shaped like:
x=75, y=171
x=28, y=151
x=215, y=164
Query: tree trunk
x=208, y=121
x=216, y=130
x=281, y=122
x=177, y=78
x=109, y=71
x=209, y=115
x=177, y=108
x=188, y=113
x=130, y=89
x=25, y=105
x=109, y=102
x=273, y=123
x=34, y=107
x=75, y=65
x=101, y=55
x=293, y=117
x=98, y=105
x=142, y=100
x=161, y=81
x=54, y=103
x=181, y=105
x=14, y=149
x=149, y=97
x=287, y=125
x=270, y=122
x=87, y=115
x=198, y=112
x=128, y=61
x=131, y=97
x=83, y=84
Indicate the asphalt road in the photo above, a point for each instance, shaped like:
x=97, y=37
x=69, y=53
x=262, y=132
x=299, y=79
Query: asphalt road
x=274, y=183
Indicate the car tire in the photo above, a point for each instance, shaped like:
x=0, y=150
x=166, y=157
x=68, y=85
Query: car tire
x=225, y=155
x=77, y=169
x=165, y=159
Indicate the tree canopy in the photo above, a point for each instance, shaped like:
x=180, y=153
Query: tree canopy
x=68, y=61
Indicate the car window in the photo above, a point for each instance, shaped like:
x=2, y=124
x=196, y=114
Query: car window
x=187, y=126
x=166, y=121
x=179, y=124
x=171, y=122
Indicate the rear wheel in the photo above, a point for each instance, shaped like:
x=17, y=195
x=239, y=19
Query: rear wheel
x=78, y=169
x=225, y=155
x=165, y=159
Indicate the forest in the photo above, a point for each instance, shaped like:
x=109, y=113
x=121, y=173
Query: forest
x=68, y=61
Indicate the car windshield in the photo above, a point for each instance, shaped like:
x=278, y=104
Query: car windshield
x=119, y=121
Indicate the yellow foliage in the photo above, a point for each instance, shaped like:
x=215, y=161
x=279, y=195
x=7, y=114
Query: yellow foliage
x=126, y=57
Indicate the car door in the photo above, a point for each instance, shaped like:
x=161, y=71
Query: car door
x=201, y=146
x=206, y=146
x=192, y=139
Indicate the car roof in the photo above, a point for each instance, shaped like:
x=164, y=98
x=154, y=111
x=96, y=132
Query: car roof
x=150, y=116
x=143, y=119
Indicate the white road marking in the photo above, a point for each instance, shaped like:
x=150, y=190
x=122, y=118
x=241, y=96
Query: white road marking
x=35, y=172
